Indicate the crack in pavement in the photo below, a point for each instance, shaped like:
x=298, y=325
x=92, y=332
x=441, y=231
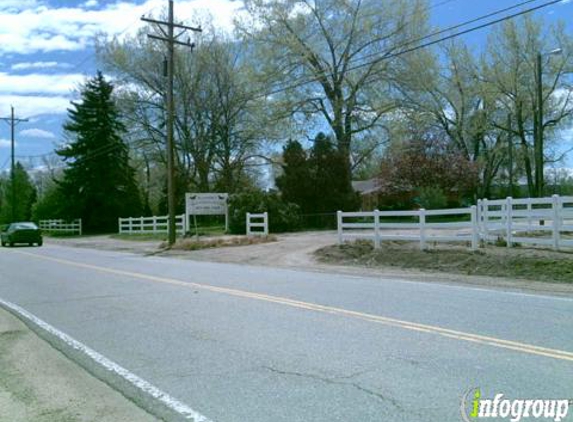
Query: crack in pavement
x=334, y=381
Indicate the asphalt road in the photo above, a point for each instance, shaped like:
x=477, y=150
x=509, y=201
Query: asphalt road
x=242, y=343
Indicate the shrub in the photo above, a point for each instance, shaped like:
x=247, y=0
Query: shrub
x=283, y=216
x=432, y=198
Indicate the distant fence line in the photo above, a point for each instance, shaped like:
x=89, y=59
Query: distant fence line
x=531, y=221
x=61, y=226
x=155, y=225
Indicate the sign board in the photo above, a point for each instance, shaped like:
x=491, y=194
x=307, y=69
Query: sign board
x=207, y=204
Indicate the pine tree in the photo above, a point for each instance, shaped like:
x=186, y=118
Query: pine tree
x=330, y=177
x=318, y=180
x=295, y=183
x=25, y=196
x=99, y=184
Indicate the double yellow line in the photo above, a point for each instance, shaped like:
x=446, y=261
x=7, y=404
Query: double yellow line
x=412, y=326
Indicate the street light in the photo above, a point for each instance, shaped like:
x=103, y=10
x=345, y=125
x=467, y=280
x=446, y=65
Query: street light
x=538, y=141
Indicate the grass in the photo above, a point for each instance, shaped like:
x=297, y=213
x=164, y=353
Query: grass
x=522, y=263
x=61, y=234
x=160, y=237
x=194, y=244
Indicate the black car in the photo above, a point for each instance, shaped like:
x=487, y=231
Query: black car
x=21, y=233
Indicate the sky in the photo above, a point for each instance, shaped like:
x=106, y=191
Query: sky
x=46, y=51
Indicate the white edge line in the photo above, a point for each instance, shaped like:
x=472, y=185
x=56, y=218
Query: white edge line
x=172, y=403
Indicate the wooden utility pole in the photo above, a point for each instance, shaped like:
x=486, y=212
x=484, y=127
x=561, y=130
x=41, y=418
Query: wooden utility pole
x=171, y=40
x=13, y=122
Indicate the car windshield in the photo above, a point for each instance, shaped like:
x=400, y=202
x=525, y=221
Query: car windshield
x=24, y=226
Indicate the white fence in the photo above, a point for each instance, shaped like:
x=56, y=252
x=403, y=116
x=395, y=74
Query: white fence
x=264, y=225
x=372, y=228
x=61, y=226
x=530, y=221
x=138, y=225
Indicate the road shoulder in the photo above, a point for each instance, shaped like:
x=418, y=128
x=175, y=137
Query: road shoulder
x=38, y=383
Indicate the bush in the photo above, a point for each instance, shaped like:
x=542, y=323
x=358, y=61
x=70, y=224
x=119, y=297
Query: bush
x=283, y=216
x=432, y=198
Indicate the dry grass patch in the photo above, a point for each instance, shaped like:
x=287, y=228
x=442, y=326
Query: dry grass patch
x=194, y=244
x=523, y=263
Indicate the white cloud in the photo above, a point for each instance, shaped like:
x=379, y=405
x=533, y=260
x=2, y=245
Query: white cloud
x=5, y=143
x=43, y=29
x=38, y=133
x=40, y=65
x=18, y=5
x=37, y=83
x=90, y=4
x=28, y=106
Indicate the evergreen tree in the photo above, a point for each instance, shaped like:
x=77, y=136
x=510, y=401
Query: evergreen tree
x=330, y=177
x=25, y=196
x=98, y=184
x=295, y=183
x=316, y=181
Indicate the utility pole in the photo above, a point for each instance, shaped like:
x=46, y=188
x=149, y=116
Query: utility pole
x=171, y=40
x=13, y=122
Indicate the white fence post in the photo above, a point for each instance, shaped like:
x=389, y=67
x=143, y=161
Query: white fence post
x=422, y=216
x=479, y=213
x=339, y=226
x=475, y=227
x=557, y=205
x=248, y=224
x=509, y=221
x=266, y=222
x=485, y=234
x=376, y=229
x=529, y=218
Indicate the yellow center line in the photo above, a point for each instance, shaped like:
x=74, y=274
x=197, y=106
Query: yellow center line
x=407, y=325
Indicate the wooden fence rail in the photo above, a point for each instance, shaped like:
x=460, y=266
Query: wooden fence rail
x=139, y=225
x=61, y=226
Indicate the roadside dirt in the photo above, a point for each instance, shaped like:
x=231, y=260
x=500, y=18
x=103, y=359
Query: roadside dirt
x=39, y=384
x=297, y=251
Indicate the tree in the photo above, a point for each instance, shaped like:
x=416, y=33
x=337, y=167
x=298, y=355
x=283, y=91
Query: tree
x=98, y=183
x=312, y=180
x=333, y=60
x=25, y=196
x=428, y=164
x=330, y=191
x=220, y=122
x=458, y=104
x=295, y=181
x=510, y=70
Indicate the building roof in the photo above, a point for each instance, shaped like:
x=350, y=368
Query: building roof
x=366, y=187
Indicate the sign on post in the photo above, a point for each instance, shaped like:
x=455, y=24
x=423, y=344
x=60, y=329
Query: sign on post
x=207, y=204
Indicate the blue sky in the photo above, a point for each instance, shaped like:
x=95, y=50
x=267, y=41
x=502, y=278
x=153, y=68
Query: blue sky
x=46, y=51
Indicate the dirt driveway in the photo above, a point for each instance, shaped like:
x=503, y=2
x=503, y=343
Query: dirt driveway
x=296, y=251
